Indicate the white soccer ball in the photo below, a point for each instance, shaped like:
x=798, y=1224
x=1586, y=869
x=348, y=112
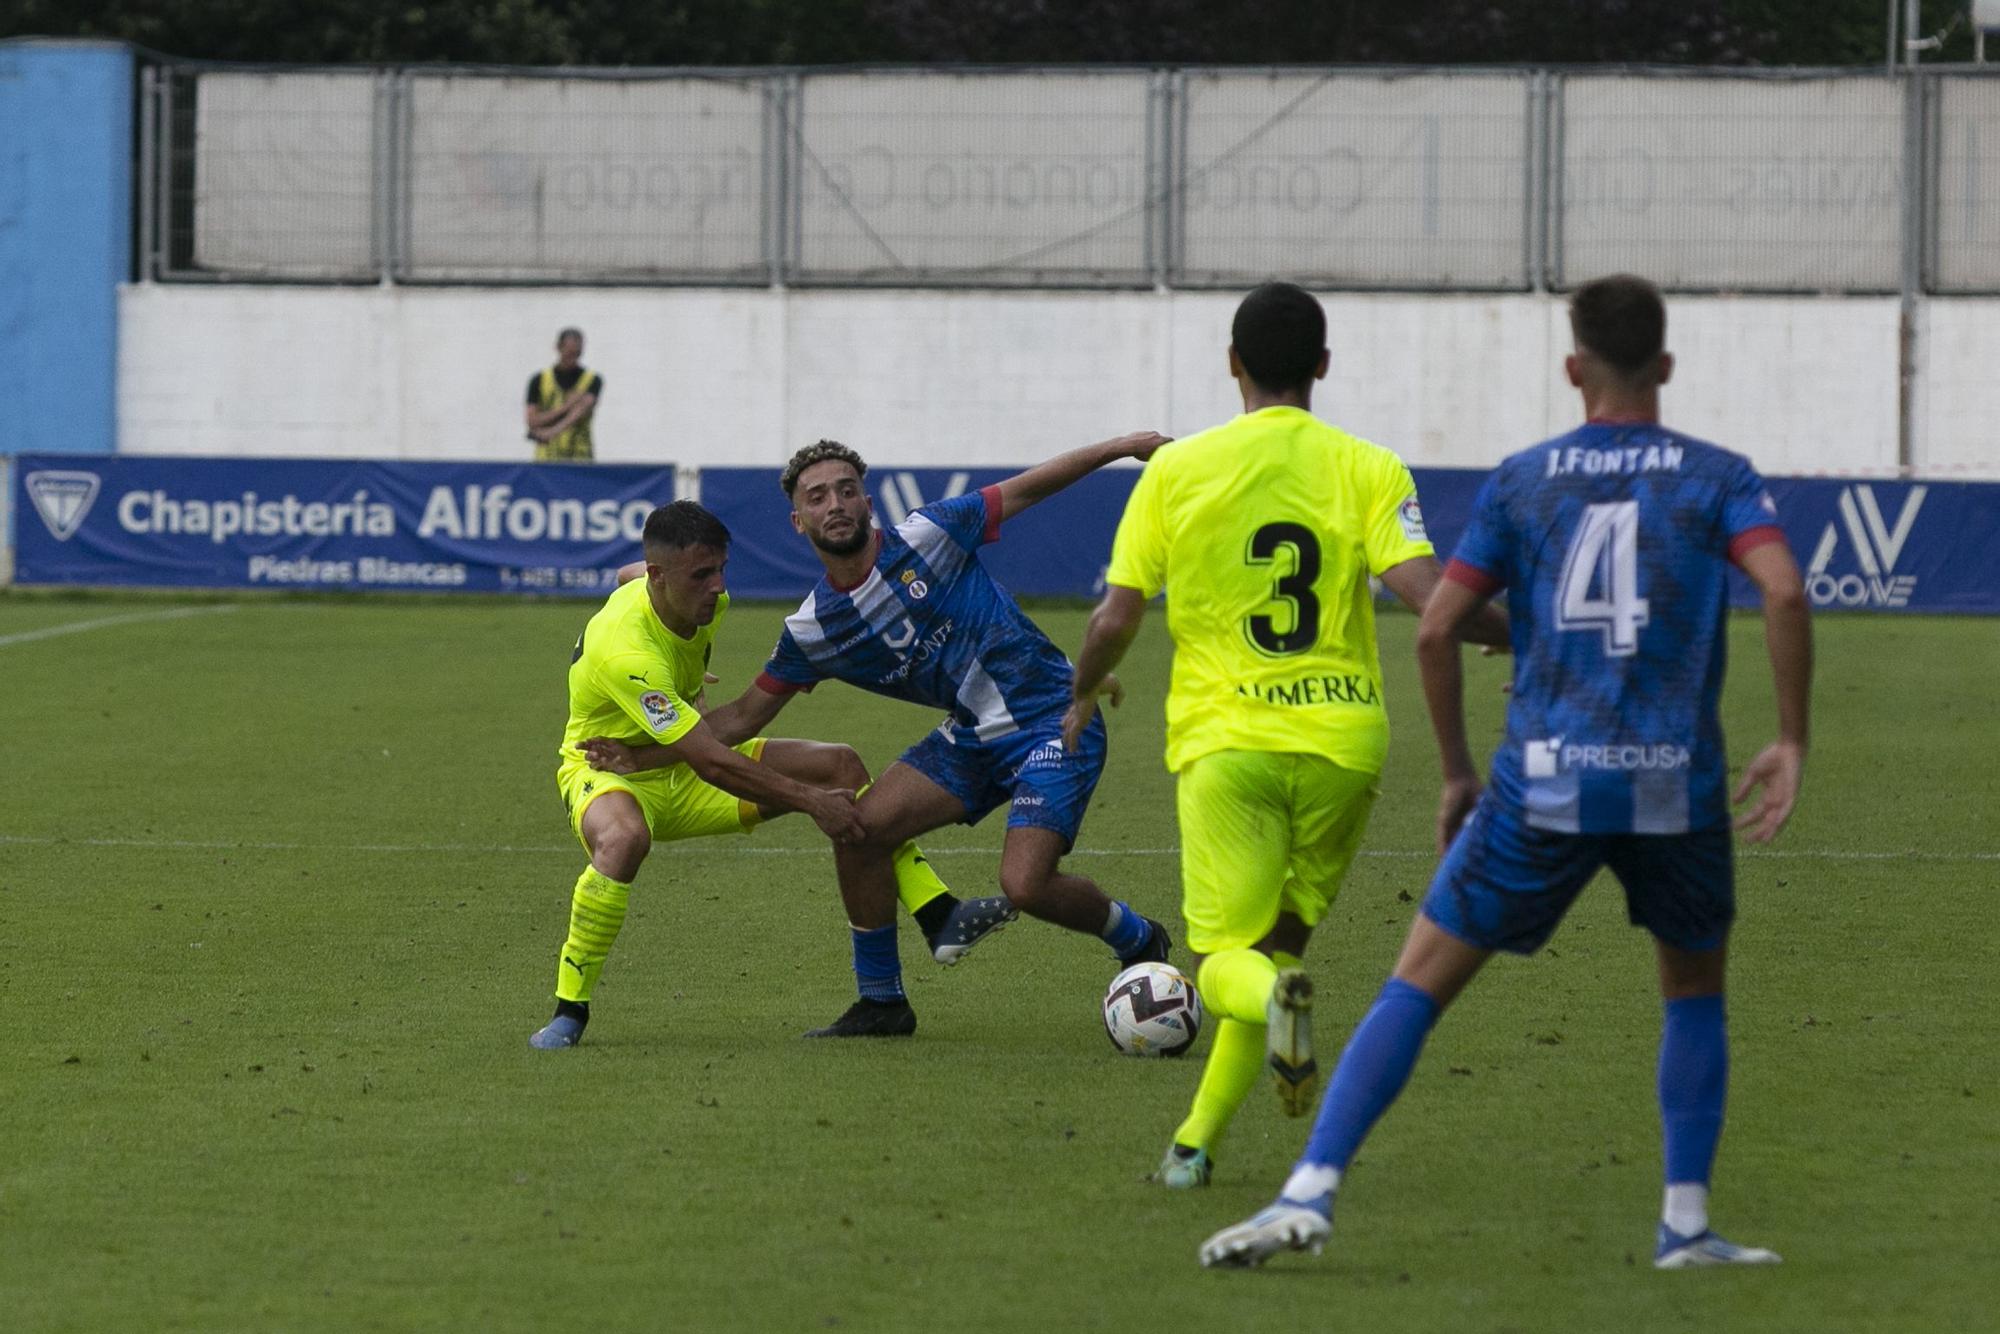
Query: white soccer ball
x=1152, y=1010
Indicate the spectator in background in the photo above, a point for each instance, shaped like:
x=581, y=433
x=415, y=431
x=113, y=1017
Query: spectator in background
x=561, y=401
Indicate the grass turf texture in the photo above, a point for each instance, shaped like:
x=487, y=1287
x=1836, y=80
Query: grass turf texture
x=280, y=894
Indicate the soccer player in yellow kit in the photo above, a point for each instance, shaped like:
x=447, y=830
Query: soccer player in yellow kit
x=639, y=764
x=1263, y=532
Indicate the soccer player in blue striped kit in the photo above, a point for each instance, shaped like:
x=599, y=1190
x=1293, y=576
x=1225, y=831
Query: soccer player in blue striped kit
x=1612, y=542
x=910, y=613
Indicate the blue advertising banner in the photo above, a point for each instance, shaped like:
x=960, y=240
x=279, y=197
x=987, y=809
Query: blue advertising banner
x=1877, y=545
x=330, y=524
x=565, y=529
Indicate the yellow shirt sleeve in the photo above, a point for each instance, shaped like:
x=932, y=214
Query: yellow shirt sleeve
x=643, y=690
x=1139, y=551
x=1395, y=519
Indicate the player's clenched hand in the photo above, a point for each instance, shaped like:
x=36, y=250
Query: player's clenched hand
x=1777, y=769
x=1455, y=803
x=1141, y=444
x=610, y=756
x=1081, y=711
x=1075, y=719
x=836, y=815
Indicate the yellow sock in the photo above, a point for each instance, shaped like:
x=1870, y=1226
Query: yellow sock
x=916, y=883
x=596, y=911
x=1234, y=986
x=1234, y=1064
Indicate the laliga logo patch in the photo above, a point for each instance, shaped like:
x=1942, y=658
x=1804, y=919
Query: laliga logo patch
x=659, y=710
x=63, y=499
x=1412, y=515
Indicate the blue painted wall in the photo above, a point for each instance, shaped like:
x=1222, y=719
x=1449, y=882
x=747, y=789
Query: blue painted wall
x=65, y=240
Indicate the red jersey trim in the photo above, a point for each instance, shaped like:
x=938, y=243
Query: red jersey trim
x=991, y=495
x=771, y=685
x=1751, y=538
x=1472, y=577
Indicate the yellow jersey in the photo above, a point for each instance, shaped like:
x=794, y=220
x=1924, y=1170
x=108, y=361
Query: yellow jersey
x=1263, y=532
x=633, y=679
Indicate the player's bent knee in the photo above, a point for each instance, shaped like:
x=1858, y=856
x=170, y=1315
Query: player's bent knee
x=620, y=847
x=847, y=770
x=1023, y=890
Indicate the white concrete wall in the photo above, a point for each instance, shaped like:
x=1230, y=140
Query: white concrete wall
x=715, y=377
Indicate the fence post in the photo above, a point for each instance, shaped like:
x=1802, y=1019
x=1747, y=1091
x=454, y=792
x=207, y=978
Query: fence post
x=1908, y=352
x=148, y=165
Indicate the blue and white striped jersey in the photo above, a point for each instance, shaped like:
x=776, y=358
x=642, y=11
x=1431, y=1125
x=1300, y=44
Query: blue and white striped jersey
x=1613, y=542
x=930, y=626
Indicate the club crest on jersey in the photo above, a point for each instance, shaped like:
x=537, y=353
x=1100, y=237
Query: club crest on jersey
x=917, y=587
x=1412, y=515
x=659, y=710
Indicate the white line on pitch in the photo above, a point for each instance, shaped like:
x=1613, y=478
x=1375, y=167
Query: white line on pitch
x=720, y=846
x=127, y=618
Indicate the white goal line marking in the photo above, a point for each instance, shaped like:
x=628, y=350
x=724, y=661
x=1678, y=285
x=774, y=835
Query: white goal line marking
x=720, y=847
x=126, y=618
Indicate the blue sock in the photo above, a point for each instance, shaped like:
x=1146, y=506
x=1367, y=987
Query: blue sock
x=877, y=969
x=1372, y=1071
x=1694, y=1080
x=1125, y=931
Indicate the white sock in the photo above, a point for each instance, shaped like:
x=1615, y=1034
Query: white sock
x=1112, y=921
x=1686, y=1208
x=1307, y=1183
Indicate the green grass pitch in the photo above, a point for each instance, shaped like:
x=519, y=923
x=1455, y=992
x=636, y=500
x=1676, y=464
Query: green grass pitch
x=281, y=886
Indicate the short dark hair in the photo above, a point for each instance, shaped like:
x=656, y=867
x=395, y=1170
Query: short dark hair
x=685, y=524
x=1279, y=333
x=820, y=451
x=561, y=334
x=1621, y=319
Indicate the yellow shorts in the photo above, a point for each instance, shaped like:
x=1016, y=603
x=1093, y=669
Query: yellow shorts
x=676, y=804
x=1264, y=833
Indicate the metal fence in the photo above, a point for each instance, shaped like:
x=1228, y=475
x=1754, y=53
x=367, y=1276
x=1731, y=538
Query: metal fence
x=1415, y=180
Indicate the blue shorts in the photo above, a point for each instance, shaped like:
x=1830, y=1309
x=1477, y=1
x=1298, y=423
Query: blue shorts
x=1049, y=786
x=1505, y=885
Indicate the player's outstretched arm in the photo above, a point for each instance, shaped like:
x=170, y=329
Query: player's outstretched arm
x=1451, y=606
x=1413, y=582
x=1045, y=479
x=1114, y=623
x=1779, y=768
x=746, y=715
x=738, y=775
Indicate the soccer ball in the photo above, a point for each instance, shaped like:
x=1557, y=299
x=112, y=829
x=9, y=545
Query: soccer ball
x=1152, y=1010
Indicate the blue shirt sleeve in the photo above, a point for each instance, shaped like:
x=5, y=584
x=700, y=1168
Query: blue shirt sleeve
x=971, y=520
x=790, y=667
x=1488, y=541
x=1746, y=502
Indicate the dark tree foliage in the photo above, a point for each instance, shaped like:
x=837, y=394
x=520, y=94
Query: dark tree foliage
x=822, y=32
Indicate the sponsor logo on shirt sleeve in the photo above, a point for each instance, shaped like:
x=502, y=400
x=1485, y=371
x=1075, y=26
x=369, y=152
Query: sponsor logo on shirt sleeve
x=1412, y=516
x=659, y=710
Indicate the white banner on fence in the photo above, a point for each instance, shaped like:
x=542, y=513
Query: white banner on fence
x=1378, y=180
x=284, y=183
x=585, y=178
x=1968, y=184
x=1759, y=185
x=992, y=177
